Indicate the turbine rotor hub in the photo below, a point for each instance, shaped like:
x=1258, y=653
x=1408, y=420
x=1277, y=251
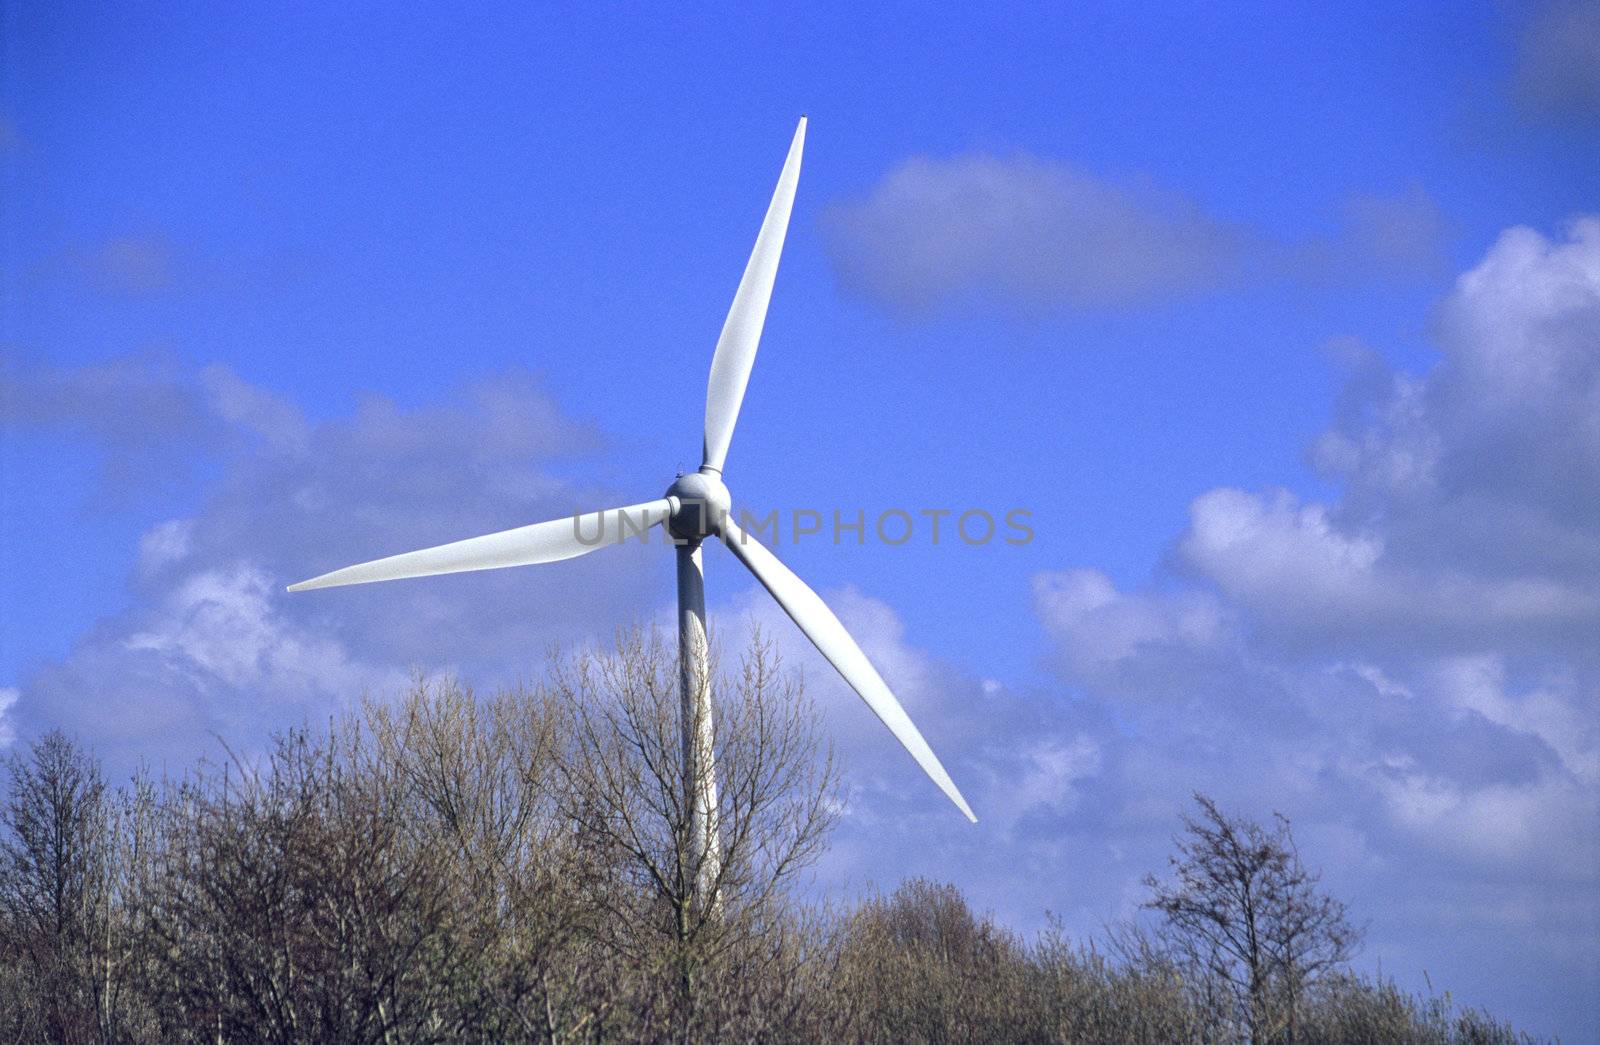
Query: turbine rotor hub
x=700, y=501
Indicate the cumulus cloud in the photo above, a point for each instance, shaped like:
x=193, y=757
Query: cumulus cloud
x=1470, y=492
x=1042, y=235
x=1517, y=399
x=1302, y=575
x=212, y=644
x=218, y=655
x=1116, y=639
x=1410, y=668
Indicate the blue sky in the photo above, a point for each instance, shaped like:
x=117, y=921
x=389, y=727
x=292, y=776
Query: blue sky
x=1284, y=328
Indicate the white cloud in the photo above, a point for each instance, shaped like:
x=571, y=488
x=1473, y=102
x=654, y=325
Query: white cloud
x=224, y=628
x=1054, y=765
x=1481, y=684
x=1300, y=574
x=9, y=695
x=1100, y=631
x=164, y=544
x=1017, y=231
x=1512, y=412
x=1470, y=492
x=1497, y=826
x=252, y=410
x=212, y=645
x=1408, y=669
x=1273, y=545
x=1024, y=231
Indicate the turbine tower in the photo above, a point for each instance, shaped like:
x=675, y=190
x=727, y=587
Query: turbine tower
x=694, y=508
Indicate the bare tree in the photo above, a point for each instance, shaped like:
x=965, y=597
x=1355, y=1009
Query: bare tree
x=477, y=779
x=53, y=877
x=623, y=772
x=920, y=965
x=293, y=904
x=1242, y=908
x=1091, y=998
x=521, y=867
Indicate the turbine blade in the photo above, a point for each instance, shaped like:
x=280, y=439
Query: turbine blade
x=741, y=331
x=542, y=542
x=828, y=635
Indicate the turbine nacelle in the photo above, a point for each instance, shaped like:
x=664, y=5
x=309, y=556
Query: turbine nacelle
x=700, y=501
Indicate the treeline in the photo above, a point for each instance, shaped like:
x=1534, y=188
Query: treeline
x=447, y=867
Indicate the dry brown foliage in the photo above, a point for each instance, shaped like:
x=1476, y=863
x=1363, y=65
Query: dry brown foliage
x=453, y=867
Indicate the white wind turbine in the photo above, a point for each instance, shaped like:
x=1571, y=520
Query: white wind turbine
x=695, y=507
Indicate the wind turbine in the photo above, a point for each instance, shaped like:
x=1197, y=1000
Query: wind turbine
x=695, y=507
